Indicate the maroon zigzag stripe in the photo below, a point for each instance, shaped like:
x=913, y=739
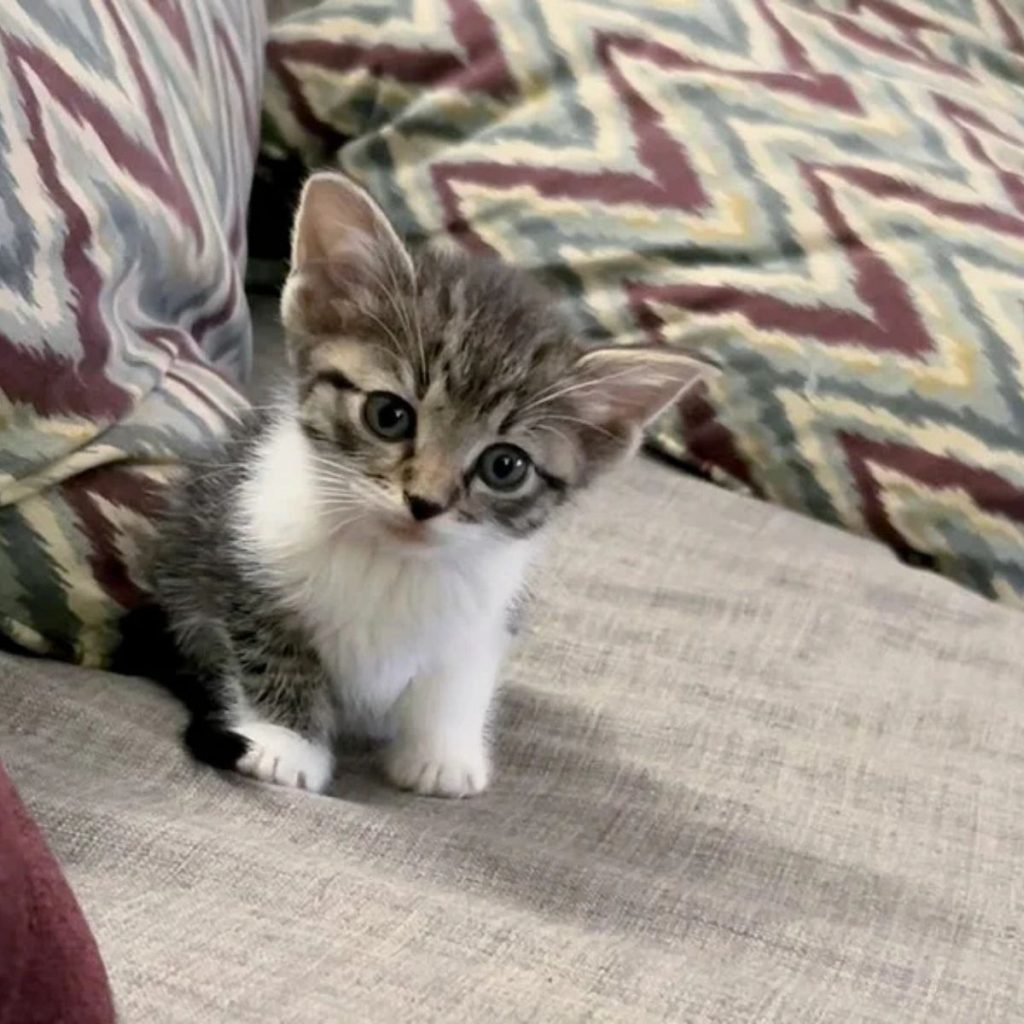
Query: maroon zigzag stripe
x=1011, y=28
x=801, y=80
x=252, y=114
x=672, y=182
x=988, y=490
x=171, y=14
x=318, y=54
x=482, y=69
x=51, y=381
x=978, y=214
x=116, y=485
x=895, y=15
x=710, y=443
x=181, y=346
x=56, y=383
x=906, y=22
x=914, y=50
x=791, y=47
x=219, y=316
x=486, y=64
x=179, y=192
x=895, y=324
x=162, y=179
x=964, y=120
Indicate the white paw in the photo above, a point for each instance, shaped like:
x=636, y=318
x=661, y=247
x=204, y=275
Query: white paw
x=277, y=754
x=433, y=769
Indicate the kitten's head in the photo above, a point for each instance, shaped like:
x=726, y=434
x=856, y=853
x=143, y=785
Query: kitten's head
x=443, y=396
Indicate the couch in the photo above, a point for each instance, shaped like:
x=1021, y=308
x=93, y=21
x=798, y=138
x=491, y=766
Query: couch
x=750, y=769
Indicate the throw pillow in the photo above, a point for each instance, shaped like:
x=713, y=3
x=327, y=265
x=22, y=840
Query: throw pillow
x=127, y=136
x=825, y=197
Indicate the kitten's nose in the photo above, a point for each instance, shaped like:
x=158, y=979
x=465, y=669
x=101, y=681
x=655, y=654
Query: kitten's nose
x=422, y=508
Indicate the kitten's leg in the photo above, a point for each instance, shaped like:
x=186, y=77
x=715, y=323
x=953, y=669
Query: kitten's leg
x=258, y=738
x=440, y=748
x=267, y=713
x=288, y=716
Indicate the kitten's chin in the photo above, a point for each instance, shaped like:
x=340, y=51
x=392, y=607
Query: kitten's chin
x=435, y=536
x=397, y=530
x=409, y=531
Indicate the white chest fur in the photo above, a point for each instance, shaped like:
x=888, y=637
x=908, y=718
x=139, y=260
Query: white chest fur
x=379, y=613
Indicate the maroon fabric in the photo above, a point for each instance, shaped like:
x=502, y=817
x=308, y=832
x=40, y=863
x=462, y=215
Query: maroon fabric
x=50, y=968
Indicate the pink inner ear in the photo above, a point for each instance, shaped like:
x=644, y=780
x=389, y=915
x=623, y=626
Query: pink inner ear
x=337, y=220
x=634, y=385
x=330, y=212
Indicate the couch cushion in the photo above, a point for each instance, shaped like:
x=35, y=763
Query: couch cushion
x=826, y=197
x=750, y=769
x=50, y=971
x=127, y=134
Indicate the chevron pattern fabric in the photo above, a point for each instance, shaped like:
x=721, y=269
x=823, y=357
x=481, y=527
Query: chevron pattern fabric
x=127, y=137
x=826, y=197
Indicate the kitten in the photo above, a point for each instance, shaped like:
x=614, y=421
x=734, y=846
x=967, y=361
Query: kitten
x=347, y=562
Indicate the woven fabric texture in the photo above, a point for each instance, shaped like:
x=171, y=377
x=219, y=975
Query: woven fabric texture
x=751, y=770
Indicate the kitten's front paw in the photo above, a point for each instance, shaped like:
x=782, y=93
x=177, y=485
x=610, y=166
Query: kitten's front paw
x=435, y=769
x=279, y=755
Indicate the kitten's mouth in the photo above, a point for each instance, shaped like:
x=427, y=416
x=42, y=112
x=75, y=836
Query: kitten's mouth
x=408, y=530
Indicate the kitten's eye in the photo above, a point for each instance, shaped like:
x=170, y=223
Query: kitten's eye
x=503, y=467
x=389, y=416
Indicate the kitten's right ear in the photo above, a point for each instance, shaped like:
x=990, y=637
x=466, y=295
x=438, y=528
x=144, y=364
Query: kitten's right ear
x=626, y=387
x=341, y=241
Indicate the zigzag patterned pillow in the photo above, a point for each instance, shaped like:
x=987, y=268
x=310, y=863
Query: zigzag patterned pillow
x=825, y=196
x=127, y=137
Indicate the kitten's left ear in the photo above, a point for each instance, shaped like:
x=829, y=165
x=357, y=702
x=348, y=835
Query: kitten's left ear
x=340, y=240
x=629, y=386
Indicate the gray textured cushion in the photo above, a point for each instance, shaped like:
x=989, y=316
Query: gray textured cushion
x=751, y=769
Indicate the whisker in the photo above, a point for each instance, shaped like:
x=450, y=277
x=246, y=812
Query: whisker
x=338, y=527
x=389, y=288
x=550, y=395
x=582, y=423
x=332, y=471
x=407, y=313
x=363, y=501
x=339, y=496
x=387, y=330
x=346, y=479
x=341, y=471
x=548, y=429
